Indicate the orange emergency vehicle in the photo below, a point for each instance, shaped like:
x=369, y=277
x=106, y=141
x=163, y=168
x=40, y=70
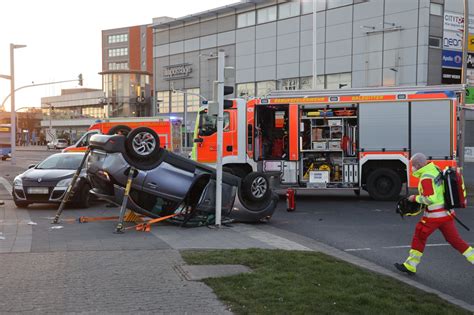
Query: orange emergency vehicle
x=169, y=131
x=353, y=139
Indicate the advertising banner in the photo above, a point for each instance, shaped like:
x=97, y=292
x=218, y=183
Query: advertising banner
x=451, y=76
x=452, y=40
x=455, y=22
x=452, y=59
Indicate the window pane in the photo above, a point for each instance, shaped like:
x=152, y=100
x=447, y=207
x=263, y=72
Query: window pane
x=338, y=3
x=338, y=81
x=436, y=9
x=163, y=100
x=246, y=90
x=289, y=84
x=246, y=19
x=266, y=14
x=306, y=83
x=265, y=87
x=435, y=42
x=307, y=6
x=288, y=9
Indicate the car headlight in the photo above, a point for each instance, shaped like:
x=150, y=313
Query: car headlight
x=64, y=183
x=17, y=182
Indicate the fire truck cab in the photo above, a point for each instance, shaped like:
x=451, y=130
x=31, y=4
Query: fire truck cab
x=352, y=139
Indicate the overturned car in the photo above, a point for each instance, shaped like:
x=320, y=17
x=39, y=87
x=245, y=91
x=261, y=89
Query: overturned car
x=165, y=183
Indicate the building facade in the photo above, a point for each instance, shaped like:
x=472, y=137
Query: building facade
x=360, y=43
x=127, y=66
x=70, y=114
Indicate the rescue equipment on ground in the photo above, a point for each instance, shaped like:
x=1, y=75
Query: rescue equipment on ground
x=406, y=207
x=290, y=200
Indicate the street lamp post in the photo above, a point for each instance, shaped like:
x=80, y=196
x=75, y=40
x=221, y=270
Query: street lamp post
x=12, y=101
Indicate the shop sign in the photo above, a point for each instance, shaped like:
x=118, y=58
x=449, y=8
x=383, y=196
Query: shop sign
x=452, y=59
x=470, y=95
x=451, y=76
x=470, y=43
x=455, y=22
x=452, y=40
x=179, y=71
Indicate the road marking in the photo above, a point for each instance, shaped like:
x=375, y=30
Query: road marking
x=356, y=249
x=396, y=247
x=6, y=184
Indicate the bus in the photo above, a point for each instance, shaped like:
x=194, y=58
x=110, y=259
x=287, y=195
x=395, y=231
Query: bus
x=5, y=141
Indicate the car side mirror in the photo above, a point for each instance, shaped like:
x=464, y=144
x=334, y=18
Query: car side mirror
x=198, y=140
x=31, y=166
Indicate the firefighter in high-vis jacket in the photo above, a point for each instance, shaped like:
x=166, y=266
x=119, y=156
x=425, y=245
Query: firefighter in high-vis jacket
x=431, y=194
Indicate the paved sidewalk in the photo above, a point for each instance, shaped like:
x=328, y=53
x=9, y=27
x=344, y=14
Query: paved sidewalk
x=87, y=268
x=32, y=148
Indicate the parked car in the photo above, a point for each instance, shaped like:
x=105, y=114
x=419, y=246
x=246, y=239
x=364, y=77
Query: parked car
x=47, y=182
x=165, y=183
x=57, y=144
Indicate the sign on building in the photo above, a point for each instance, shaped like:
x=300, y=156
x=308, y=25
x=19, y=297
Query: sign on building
x=179, y=71
x=451, y=76
x=452, y=40
x=470, y=95
x=452, y=59
x=455, y=22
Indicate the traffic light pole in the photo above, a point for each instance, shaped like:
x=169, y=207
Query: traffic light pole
x=220, y=136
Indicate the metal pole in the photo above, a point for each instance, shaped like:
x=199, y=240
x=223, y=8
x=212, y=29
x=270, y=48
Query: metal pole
x=462, y=113
x=12, y=102
x=220, y=127
x=185, y=118
x=315, y=60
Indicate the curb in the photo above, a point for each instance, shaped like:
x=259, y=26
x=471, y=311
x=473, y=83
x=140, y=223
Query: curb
x=365, y=264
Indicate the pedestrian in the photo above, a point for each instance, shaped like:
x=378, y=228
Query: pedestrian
x=435, y=216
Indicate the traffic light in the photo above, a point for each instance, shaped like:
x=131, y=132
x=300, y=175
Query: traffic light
x=79, y=78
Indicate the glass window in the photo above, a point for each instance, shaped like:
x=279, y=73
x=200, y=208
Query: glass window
x=306, y=83
x=265, y=87
x=338, y=81
x=307, y=6
x=118, y=38
x=246, y=90
x=62, y=162
x=436, y=9
x=115, y=52
x=208, y=123
x=338, y=3
x=193, y=100
x=289, y=84
x=266, y=15
x=177, y=102
x=289, y=9
x=163, y=101
x=434, y=42
x=118, y=65
x=246, y=19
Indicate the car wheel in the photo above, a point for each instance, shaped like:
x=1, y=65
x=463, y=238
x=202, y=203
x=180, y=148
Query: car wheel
x=84, y=201
x=384, y=184
x=4, y=158
x=119, y=129
x=255, y=187
x=20, y=203
x=142, y=145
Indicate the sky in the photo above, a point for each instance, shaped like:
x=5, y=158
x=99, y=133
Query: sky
x=63, y=39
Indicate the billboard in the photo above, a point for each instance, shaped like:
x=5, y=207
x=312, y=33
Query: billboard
x=452, y=59
x=452, y=40
x=451, y=76
x=455, y=22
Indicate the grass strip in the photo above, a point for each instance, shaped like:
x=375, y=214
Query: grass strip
x=296, y=282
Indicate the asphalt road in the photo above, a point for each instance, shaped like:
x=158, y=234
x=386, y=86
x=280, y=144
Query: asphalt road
x=363, y=227
x=371, y=230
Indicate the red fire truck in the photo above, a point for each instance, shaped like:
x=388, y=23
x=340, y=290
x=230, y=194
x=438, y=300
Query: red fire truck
x=356, y=139
x=169, y=131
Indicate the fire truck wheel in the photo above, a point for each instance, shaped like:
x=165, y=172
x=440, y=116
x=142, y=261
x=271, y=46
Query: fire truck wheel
x=255, y=187
x=384, y=184
x=142, y=145
x=119, y=129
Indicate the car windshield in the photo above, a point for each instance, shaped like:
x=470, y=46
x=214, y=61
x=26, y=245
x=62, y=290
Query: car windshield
x=62, y=140
x=61, y=162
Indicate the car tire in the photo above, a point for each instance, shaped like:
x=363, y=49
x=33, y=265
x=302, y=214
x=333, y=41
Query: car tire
x=20, y=203
x=4, y=158
x=84, y=201
x=124, y=130
x=256, y=187
x=142, y=145
x=384, y=184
